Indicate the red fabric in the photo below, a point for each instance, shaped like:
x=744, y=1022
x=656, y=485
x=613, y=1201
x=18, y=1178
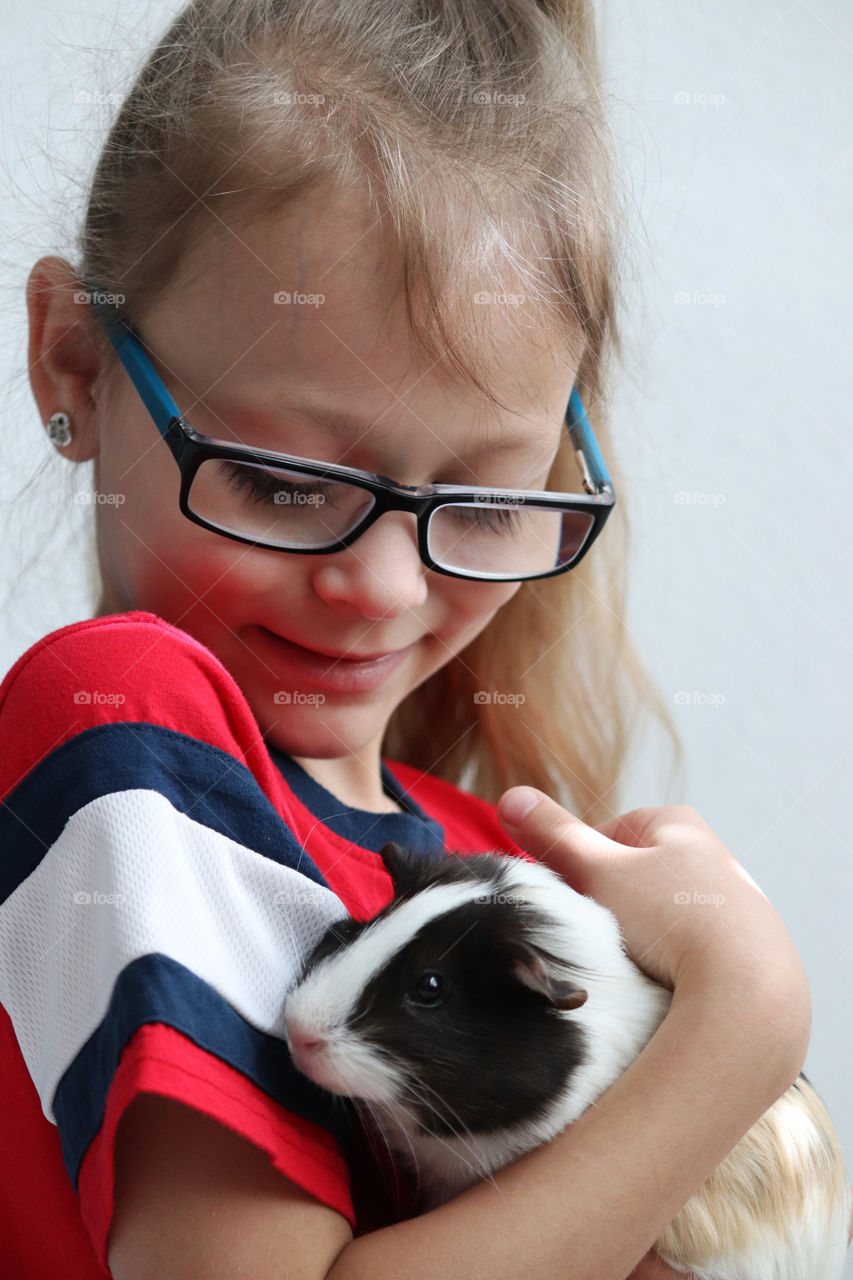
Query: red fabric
x=160, y=1060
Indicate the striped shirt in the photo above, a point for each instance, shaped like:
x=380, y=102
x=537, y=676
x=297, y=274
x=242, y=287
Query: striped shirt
x=162, y=874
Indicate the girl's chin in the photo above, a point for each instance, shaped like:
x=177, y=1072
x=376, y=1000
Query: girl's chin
x=323, y=730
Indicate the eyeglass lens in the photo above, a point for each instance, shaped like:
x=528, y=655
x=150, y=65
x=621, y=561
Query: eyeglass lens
x=287, y=509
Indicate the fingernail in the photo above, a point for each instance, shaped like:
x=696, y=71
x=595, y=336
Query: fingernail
x=517, y=804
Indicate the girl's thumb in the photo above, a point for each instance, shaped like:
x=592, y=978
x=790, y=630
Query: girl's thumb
x=546, y=830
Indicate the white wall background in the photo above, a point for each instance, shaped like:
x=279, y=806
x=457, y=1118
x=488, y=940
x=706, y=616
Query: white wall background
x=734, y=127
x=734, y=124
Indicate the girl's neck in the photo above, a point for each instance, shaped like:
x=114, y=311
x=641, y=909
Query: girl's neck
x=348, y=778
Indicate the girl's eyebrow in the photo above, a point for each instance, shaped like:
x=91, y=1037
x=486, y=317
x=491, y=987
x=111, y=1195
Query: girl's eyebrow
x=339, y=421
x=345, y=423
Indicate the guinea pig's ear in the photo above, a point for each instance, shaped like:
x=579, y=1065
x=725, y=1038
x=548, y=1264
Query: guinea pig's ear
x=405, y=868
x=530, y=969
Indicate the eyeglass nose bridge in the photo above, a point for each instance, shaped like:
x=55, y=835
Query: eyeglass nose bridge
x=389, y=500
x=390, y=496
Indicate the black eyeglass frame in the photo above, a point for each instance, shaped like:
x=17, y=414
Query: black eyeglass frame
x=191, y=448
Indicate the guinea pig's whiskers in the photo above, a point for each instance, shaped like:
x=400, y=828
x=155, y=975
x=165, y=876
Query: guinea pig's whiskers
x=461, y=1134
x=413, y=1154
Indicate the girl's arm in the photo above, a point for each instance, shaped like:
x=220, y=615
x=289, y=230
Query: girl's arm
x=195, y=1202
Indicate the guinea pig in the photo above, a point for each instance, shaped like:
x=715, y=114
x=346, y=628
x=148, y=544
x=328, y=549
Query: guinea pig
x=480, y=1013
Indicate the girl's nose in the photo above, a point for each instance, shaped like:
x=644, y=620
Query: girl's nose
x=381, y=574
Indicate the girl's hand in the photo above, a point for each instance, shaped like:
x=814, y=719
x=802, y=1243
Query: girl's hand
x=682, y=901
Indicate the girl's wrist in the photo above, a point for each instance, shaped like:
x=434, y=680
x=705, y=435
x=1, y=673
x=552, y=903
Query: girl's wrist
x=765, y=1014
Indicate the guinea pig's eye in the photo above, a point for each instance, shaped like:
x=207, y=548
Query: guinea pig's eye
x=429, y=988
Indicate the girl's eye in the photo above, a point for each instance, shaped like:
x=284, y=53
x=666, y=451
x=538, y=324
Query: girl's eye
x=263, y=485
x=498, y=519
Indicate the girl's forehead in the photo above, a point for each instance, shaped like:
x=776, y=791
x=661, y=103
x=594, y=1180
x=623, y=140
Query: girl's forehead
x=313, y=294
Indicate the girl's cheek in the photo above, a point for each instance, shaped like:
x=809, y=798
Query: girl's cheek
x=169, y=568
x=470, y=607
x=480, y=601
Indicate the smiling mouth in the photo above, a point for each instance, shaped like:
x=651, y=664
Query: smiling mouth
x=342, y=657
x=341, y=673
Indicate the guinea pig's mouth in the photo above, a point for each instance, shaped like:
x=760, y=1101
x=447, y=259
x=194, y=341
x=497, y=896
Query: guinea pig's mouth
x=345, y=1066
x=310, y=1056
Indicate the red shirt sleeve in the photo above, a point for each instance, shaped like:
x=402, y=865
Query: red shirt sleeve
x=146, y=928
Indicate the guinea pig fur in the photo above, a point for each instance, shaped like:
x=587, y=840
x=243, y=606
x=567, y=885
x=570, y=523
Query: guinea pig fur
x=482, y=1011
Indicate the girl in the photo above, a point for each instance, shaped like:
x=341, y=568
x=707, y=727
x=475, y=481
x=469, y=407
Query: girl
x=344, y=243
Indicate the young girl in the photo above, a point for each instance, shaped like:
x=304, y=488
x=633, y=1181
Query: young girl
x=372, y=238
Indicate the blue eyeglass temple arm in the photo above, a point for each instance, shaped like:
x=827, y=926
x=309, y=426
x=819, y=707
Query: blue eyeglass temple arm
x=142, y=373
x=163, y=409
x=596, y=475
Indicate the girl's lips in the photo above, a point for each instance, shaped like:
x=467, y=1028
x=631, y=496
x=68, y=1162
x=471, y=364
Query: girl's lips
x=344, y=674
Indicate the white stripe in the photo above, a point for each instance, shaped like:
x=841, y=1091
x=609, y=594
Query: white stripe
x=238, y=920
x=575, y=927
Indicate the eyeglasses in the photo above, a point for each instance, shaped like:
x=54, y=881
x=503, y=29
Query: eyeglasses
x=298, y=505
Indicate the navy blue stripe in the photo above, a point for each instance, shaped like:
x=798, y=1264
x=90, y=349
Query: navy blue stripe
x=155, y=988
x=414, y=829
x=207, y=784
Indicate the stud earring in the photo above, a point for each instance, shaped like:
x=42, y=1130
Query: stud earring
x=59, y=428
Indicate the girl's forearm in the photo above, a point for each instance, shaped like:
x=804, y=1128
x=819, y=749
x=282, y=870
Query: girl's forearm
x=595, y=1198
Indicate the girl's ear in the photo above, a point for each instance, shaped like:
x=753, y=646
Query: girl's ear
x=530, y=968
x=64, y=359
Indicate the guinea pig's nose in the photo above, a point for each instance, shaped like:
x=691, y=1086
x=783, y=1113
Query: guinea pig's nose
x=304, y=1040
x=307, y=1044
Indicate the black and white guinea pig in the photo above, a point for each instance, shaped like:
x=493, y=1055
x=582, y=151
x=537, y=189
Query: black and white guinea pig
x=482, y=1010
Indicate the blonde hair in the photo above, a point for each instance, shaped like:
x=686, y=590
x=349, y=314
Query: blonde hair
x=477, y=128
